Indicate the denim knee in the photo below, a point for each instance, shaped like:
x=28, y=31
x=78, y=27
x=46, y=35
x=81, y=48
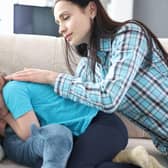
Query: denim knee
x=58, y=144
x=54, y=131
x=23, y=152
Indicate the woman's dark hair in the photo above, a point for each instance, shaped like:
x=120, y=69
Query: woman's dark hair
x=104, y=26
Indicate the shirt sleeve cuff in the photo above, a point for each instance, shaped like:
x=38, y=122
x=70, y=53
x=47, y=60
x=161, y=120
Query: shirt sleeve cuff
x=62, y=84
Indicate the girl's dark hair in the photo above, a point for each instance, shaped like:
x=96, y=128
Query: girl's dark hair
x=104, y=26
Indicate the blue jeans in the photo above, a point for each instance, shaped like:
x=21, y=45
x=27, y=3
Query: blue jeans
x=49, y=146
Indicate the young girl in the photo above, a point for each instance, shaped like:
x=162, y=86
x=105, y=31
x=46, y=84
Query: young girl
x=35, y=137
x=47, y=146
x=123, y=67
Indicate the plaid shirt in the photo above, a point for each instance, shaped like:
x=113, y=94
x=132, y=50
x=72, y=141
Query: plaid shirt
x=125, y=82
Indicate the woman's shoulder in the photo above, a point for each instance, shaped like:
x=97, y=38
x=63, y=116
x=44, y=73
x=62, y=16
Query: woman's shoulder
x=127, y=28
x=130, y=26
x=130, y=30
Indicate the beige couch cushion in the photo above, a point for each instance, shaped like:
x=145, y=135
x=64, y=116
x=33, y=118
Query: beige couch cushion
x=19, y=51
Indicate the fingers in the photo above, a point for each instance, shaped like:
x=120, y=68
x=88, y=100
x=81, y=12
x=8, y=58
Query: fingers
x=24, y=75
x=33, y=75
x=19, y=77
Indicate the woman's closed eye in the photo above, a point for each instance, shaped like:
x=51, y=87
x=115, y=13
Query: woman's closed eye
x=62, y=18
x=65, y=17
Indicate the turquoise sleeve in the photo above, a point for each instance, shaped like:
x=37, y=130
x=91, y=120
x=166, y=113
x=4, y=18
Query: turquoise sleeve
x=17, y=99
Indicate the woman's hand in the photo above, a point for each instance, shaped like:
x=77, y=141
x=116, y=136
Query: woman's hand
x=34, y=75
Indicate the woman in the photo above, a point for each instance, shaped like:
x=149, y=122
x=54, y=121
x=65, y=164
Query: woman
x=123, y=67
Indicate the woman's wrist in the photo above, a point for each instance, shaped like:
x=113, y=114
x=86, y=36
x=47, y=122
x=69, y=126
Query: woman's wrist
x=52, y=77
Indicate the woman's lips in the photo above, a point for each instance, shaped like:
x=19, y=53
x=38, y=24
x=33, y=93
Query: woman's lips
x=68, y=37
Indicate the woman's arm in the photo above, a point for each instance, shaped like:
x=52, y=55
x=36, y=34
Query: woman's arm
x=125, y=56
x=22, y=125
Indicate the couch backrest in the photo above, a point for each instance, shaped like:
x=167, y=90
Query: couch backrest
x=19, y=51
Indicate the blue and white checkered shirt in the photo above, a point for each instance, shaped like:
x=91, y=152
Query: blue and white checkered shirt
x=125, y=82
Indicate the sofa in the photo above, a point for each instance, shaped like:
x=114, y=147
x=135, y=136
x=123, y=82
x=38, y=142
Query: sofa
x=47, y=52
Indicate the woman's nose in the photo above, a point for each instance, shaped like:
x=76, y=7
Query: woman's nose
x=62, y=29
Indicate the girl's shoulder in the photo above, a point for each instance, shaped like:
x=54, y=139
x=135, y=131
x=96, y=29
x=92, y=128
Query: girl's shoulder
x=15, y=84
x=12, y=84
x=13, y=87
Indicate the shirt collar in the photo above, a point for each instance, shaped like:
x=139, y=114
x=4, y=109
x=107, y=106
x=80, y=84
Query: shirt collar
x=105, y=44
x=105, y=47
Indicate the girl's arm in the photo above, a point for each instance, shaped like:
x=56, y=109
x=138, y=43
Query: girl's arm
x=2, y=127
x=22, y=125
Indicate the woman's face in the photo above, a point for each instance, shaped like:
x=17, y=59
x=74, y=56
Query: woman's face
x=75, y=23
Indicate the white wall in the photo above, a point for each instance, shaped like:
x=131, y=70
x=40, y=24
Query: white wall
x=6, y=16
x=41, y=3
x=121, y=10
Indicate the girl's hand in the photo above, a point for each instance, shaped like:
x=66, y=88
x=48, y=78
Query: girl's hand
x=3, y=109
x=3, y=124
x=34, y=75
